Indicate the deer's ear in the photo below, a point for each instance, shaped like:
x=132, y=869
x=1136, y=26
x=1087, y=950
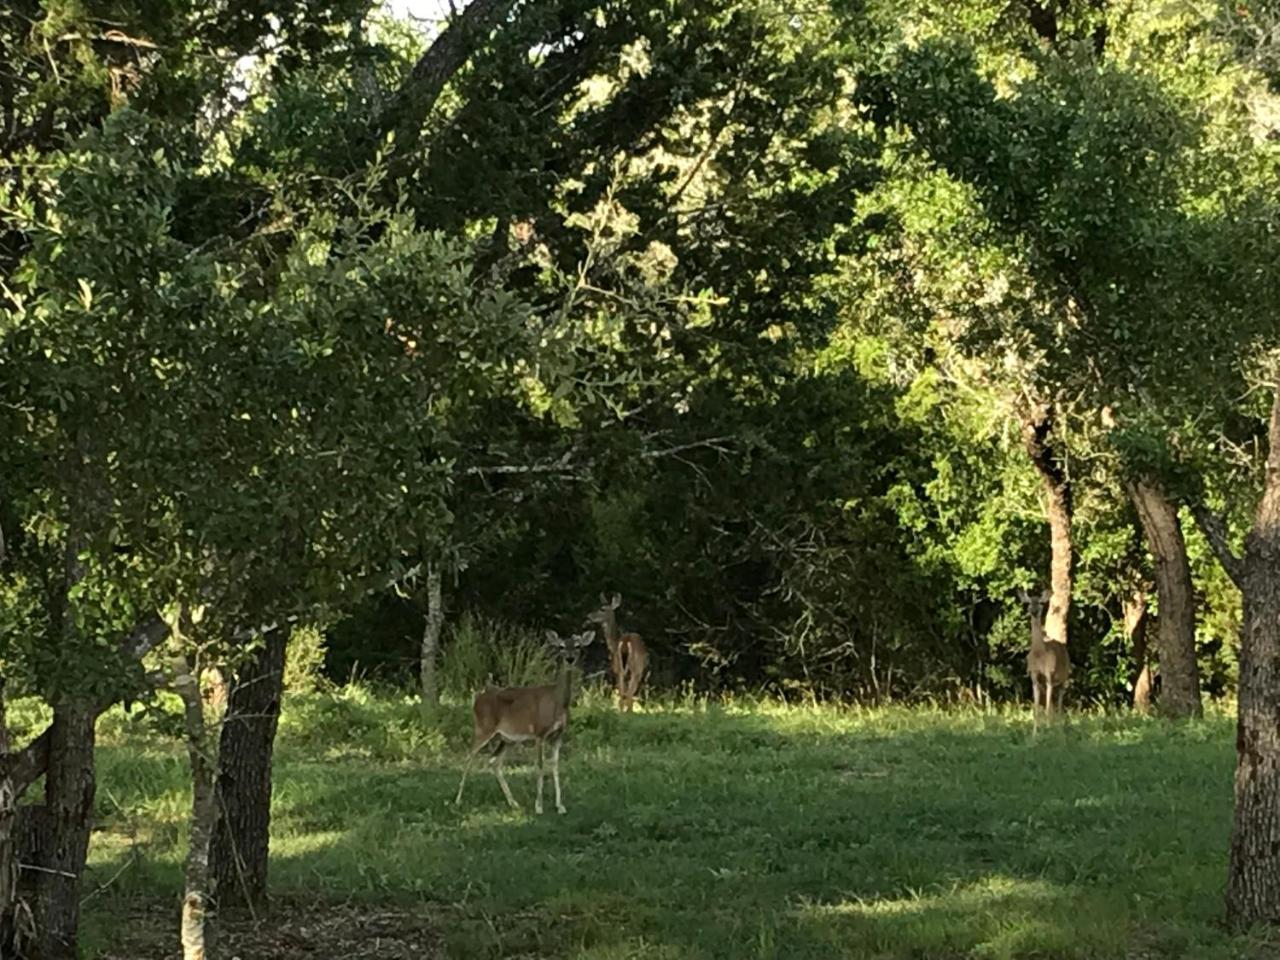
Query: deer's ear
x=603, y=601
x=553, y=637
x=585, y=639
x=1046, y=596
x=616, y=602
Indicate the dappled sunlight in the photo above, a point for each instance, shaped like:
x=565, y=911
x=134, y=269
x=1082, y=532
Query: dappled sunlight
x=707, y=831
x=996, y=916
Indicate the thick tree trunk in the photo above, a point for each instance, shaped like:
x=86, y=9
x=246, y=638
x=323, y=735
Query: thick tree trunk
x=198, y=935
x=1135, y=632
x=1179, y=675
x=69, y=792
x=1253, y=881
x=1037, y=430
x=242, y=839
x=431, y=635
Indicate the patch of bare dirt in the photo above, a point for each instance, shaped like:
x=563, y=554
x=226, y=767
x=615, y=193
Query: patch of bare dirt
x=293, y=931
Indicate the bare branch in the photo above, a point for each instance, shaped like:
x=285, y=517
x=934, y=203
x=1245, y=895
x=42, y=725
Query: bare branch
x=1215, y=531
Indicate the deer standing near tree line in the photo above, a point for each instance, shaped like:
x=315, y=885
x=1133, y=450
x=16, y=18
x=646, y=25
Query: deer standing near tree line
x=520, y=714
x=1047, y=662
x=628, y=656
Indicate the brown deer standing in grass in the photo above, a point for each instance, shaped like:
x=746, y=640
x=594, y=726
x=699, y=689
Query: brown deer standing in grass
x=1047, y=662
x=628, y=656
x=519, y=714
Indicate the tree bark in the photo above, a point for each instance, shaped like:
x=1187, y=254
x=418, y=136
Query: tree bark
x=1253, y=879
x=198, y=934
x=8, y=847
x=1179, y=675
x=1135, y=632
x=431, y=635
x=242, y=838
x=69, y=792
x=1037, y=432
x=409, y=107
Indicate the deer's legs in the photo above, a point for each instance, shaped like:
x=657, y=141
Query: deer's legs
x=502, y=781
x=1048, y=697
x=475, y=749
x=537, y=807
x=1037, y=698
x=555, y=773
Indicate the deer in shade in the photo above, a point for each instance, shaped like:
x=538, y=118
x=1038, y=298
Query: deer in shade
x=1047, y=661
x=522, y=714
x=628, y=656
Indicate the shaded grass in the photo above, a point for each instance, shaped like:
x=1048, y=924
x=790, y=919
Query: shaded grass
x=702, y=830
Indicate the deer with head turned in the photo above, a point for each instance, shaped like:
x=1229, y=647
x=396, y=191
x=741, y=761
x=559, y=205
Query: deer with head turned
x=1047, y=662
x=628, y=656
x=521, y=714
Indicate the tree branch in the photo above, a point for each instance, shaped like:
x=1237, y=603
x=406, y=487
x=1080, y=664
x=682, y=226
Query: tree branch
x=454, y=46
x=1215, y=531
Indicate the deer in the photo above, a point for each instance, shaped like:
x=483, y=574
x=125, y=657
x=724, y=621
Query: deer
x=521, y=714
x=628, y=656
x=1047, y=662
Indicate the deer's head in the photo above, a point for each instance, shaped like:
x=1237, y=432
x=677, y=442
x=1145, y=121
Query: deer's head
x=1037, y=603
x=604, y=614
x=570, y=648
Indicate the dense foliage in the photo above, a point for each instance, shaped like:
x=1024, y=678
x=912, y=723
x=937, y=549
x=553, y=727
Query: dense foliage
x=787, y=323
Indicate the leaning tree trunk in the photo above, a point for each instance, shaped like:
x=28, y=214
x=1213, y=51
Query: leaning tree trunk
x=1135, y=632
x=1037, y=430
x=1179, y=675
x=242, y=838
x=198, y=934
x=431, y=635
x=1253, y=881
x=69, y=792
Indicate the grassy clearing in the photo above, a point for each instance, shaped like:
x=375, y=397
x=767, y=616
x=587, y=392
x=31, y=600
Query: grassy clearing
x=754, y=830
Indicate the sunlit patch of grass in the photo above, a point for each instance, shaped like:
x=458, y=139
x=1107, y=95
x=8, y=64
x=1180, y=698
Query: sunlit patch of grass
x=700, y=828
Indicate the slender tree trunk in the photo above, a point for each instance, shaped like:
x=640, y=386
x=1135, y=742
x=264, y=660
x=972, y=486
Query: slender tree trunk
x=8, y=846
x=199, y=897
x=242, y=838
x=1037, y=435
x=1253, y=880
x=1135, y=632
x=1179, y=675
x=431, y=635
x=69, y=792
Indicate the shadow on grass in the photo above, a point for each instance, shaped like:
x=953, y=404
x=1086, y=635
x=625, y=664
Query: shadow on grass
x=728, y=833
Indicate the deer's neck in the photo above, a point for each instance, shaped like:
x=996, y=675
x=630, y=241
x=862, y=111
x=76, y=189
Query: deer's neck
x=564, y=685
x=1037, y=634
x=611, y=632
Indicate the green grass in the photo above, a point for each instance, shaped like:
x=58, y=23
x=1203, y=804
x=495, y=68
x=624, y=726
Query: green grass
x=753, y=830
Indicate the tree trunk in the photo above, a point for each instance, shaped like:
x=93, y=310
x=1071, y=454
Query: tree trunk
x=1135, y=632
x=69, y=792
x=1037, y=430
x=242, y=838
x=431, y=635
x=198, y=934
x=1179, y=676
x=8, y=847
x=1253, y=880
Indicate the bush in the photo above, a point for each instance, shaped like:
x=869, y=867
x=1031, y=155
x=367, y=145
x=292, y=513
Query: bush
x=480, y=650
x=304, y=659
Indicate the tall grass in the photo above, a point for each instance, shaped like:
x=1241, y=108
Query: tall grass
x=479, y=651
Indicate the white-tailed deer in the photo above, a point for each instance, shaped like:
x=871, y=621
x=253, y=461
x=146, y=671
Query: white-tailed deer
x=1047, y=661
x=628, y=656
x=519, y=714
